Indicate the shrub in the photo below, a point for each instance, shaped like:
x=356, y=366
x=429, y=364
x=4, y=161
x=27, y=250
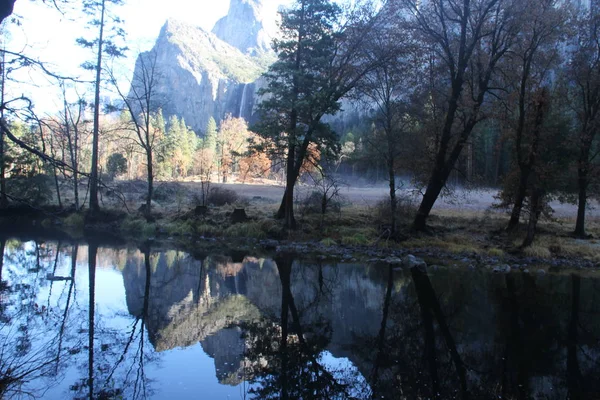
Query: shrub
x=116, y=165
x=74, y=221
x=168, y=192
x=406, y=208
x=138, y=227
x=36, y=190
x=219, y=196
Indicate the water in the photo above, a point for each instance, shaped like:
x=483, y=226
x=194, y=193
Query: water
x=167, y=326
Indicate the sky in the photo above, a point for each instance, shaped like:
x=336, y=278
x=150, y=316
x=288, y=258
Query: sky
x=46, y=34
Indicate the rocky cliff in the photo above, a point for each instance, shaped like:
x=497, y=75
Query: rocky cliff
x=204, y=74
x=249, y=26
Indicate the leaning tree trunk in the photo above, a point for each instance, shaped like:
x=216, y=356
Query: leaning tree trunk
x=515, y=214
x=444, y=162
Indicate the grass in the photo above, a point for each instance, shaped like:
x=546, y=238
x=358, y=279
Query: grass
x=138, y=227
x=452, y=230
x=457, y=242
x=253, y=230
x=547, y=246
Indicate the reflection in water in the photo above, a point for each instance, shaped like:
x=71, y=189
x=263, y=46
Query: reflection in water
x=144, y=324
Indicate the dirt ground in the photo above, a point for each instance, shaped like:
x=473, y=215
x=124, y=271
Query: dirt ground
x=463, y=200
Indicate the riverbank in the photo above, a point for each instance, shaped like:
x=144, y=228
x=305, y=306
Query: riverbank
x=353, y=233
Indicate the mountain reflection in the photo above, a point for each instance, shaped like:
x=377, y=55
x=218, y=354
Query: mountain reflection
x=91, y=322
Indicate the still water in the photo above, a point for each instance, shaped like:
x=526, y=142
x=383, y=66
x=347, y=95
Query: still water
x=79, y=321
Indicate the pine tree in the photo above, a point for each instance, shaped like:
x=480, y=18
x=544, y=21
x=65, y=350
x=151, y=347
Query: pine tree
x=106, y=44
x=305, y=83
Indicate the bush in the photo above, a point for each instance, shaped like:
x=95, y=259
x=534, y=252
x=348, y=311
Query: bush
x=116, y=165
x=36, y=190
x=74, y=220
x=406, y=208
x=219, y=196
x=313, y=204
x=138, y=227
x=168, y=192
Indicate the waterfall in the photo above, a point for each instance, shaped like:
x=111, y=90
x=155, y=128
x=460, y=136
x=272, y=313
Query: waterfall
x=243, y=101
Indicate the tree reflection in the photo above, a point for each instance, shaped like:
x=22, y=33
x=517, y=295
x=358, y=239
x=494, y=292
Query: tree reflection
x=285, y=357
x=116, y=368
x=25, y=358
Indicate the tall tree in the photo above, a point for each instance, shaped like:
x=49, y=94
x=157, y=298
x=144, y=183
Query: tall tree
x=528, y=66
x=466, y=39
x=387, y=89
x=319, y=61
x=583, y=74
x=141, y=104
x=106, y=43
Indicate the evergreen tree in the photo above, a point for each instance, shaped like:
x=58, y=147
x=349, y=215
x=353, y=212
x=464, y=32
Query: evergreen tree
x=106, y=44
x=318, y=63
x=210, y=137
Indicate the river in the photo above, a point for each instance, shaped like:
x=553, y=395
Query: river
x=85, y=321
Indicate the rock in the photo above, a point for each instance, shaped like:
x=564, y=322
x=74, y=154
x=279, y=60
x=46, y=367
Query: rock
x=392, y=260
x=541, y=272
x=269, y=244
x=238, y=215
x=249, y=26
x=201, y=76
x=200, y=210
x=411, y=261
x=503, y=269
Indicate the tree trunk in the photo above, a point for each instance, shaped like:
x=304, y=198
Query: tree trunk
x=581, y=205
x=536, y=208
x=393, y=201
x=2, y=245
x=6, y=9
x=3, y=196
x=150, y=181
x=583, y=183
x=434, y=188
x=94, y=205
x=286, y=209
x=515, y=214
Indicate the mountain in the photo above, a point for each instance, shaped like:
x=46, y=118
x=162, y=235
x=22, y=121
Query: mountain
x=204, y=74
x=249, y=26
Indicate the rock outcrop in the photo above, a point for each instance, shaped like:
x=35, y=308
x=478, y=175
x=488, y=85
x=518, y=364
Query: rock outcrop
x=204, y=74
x=249, y=26
x=200, y=76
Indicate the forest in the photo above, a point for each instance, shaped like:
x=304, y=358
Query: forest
x=435, y=97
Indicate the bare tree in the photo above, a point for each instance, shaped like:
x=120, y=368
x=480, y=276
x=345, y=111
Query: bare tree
x=141, y=104
x=105, y=45
x=527, y=71
x=387, y=89
x=584, y=86
x=466, y=38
